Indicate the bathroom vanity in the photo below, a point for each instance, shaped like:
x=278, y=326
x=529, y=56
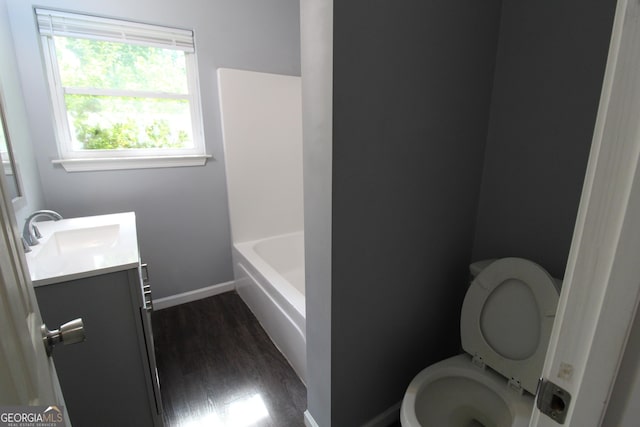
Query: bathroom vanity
x=90, y=268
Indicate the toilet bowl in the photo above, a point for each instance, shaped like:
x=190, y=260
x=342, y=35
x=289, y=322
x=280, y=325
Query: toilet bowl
x=456, y=393
x=506, y=320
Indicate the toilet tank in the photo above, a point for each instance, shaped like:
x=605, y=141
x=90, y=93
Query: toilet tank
x=476, y=267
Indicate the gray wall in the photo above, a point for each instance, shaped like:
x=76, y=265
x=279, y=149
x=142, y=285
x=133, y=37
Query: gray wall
x=415, y=98
x=182, y=213
x=411, y=94
x=19, y=131
x=549, y=70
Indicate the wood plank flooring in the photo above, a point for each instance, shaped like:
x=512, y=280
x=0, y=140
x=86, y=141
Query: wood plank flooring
x=218, y=368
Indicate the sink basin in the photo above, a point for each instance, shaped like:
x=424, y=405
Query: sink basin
x=81, y=239
x=74, y=248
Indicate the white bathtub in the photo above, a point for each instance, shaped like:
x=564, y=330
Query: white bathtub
x=269, y=276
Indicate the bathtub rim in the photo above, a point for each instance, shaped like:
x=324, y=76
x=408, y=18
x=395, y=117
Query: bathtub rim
x=290, y=294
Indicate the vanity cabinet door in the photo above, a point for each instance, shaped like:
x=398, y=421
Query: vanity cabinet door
x=105, y=379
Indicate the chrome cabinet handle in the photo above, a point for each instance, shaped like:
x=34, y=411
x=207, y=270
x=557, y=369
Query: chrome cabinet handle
x=147, y=300
x=145, y=273
x=69, y=333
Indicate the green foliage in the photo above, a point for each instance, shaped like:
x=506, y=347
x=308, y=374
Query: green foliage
x=125, y=136
x=109, y=122
x=109, y=65
x=159, y=133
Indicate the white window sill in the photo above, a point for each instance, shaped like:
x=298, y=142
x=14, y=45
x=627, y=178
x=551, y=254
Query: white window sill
x=116, y=163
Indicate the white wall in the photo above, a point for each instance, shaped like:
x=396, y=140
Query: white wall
x=262, y=133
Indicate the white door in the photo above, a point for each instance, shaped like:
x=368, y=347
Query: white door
x=27, y=375
x=602, y=280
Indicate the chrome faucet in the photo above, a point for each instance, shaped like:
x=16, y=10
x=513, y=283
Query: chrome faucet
x=30, y=233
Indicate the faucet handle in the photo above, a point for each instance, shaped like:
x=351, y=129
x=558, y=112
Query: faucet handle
x=36, y=232
x=25, y=245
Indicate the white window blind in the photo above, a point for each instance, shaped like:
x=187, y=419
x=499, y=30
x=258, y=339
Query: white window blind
x=55, y=23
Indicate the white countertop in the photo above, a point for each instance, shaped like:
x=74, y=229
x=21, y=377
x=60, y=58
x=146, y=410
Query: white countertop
x=75, y=248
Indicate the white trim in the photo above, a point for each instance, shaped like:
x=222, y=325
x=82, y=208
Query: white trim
x=209, y=291
x=195, y=104
x=308, y=420
x=27, y=376
x=385, y=418
x=55, y=23
x=58, y=106
x=601, y=288
x=124, y=93
x=116, y=163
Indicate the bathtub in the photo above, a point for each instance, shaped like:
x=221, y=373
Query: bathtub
x=269, y=275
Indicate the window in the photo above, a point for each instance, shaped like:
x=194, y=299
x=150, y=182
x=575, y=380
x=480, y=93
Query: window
x=124, y=94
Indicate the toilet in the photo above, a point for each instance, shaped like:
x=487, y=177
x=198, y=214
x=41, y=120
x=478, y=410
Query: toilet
x=506, y=321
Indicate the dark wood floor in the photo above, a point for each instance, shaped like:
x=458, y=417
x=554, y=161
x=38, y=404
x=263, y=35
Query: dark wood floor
x=217, y=367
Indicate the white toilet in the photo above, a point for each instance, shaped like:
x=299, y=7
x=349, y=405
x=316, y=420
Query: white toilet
x=506, y=320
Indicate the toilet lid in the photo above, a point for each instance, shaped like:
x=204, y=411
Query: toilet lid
x=507, y=316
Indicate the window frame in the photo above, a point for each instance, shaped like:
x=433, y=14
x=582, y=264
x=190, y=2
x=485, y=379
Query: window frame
x=85, y=160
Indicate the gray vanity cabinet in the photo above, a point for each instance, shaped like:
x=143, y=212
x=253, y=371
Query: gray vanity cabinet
x=111, y=378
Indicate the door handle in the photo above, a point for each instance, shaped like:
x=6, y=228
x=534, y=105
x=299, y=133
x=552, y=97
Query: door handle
x=69, y=333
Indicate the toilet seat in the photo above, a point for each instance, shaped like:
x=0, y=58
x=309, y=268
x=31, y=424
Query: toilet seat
x=507, y=317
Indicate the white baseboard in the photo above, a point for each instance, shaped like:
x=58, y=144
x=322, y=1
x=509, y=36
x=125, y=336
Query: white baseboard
x=170, y=301
x=386, y=418
x=308, y=420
